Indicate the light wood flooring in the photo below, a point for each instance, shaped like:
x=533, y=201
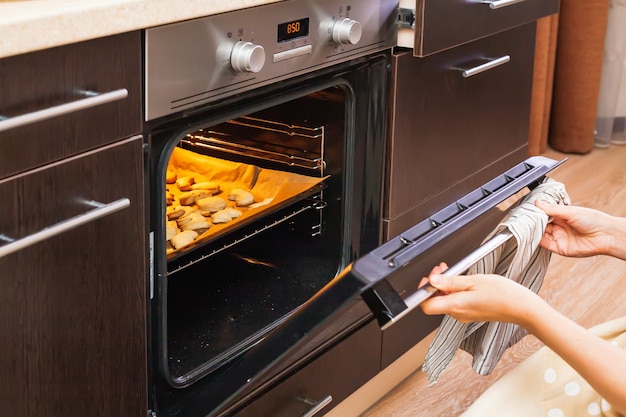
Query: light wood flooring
x=588, y=290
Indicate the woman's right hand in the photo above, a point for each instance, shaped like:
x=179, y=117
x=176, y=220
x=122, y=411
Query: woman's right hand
x=580, y=231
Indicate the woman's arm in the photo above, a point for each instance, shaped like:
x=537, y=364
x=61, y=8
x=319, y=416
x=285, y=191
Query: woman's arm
x=476, y=298
x=600, y=363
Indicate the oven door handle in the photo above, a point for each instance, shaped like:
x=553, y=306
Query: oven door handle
x=426, y=291
x=402, y=255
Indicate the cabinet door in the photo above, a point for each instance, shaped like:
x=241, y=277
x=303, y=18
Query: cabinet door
x=450, y=133
x=73, y=305
x=66, y=100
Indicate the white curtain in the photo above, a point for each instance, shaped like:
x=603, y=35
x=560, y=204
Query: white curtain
x=612, y=87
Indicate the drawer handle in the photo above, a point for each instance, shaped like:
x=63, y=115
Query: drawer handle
x=498, y=4
x=317, y=406
x=492, y=63
x=93, y=99
x=101, y=210
x=427, y=290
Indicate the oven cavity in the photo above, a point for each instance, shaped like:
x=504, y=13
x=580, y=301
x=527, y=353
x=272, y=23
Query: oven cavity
x=239, y=278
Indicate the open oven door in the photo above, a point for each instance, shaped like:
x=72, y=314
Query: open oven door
x=368, y=277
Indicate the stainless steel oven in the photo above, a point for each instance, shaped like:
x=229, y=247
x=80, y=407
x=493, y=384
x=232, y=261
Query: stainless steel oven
x=286, y=102
x=267, y=138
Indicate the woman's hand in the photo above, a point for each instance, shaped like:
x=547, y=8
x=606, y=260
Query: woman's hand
x=479, y=298
x=580, y=232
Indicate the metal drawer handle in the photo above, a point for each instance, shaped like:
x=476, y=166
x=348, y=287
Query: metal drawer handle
x=101, y=210
x=426, y=291
x=492, y=63
x=93, y=99
x=501, y=3
x=317, y=405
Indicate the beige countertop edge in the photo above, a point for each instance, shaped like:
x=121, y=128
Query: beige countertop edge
x=27, y=26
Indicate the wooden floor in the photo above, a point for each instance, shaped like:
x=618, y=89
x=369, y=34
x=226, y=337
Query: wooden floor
x=589, y=291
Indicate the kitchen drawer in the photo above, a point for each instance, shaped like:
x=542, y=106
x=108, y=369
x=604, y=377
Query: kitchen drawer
x=455, y=133
x=102, y=78
x=73, y=302
x=442, y=24
x=335, y=374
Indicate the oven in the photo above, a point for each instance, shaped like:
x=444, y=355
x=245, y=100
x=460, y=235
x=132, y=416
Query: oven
x=266, y=161
x=285, y=104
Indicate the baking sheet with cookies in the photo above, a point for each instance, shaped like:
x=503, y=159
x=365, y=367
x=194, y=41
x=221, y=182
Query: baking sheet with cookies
x=217, y=203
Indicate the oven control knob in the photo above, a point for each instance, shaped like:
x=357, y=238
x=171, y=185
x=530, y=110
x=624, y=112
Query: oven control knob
x=247, y=57
x=347, y=31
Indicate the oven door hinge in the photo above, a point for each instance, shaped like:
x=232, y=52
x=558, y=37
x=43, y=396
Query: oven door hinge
x=406, y=27
x=406, y=18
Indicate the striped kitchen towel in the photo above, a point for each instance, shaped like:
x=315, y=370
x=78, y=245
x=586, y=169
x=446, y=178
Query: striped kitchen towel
x=520, y=259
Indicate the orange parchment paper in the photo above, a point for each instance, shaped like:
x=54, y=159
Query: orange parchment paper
x=270, y=188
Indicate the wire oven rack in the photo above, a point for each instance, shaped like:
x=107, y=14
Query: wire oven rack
x=272, y=141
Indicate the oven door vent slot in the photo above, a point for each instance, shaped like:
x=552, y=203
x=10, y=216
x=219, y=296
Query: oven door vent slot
x=274, y=142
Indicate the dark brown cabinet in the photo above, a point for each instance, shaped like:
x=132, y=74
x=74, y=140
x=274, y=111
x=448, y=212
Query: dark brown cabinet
x=72, y=304
x=72, y=234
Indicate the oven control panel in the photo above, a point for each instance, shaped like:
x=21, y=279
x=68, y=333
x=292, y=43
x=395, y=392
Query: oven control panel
x=198, y=61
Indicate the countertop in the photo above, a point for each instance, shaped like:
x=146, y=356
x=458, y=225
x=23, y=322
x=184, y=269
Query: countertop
x=31, y=25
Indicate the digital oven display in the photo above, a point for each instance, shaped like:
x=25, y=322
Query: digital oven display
x=293, y=29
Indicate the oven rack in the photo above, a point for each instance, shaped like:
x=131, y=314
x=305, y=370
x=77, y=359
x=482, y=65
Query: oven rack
x=277, y=142
x=279, y=127
x=222, y=142
x=269, y=221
